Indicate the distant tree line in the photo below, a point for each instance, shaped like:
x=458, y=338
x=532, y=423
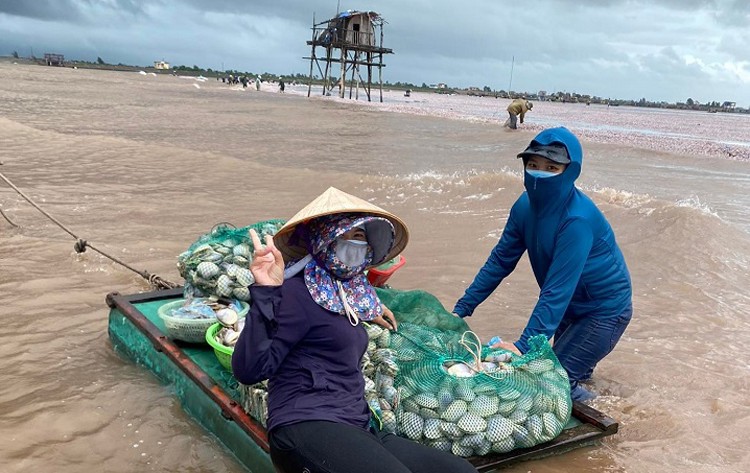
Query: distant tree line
x=486, y=91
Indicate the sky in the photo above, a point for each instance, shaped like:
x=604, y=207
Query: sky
x=661, y=50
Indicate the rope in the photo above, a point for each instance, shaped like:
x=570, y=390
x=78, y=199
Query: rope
x=8, y=219
x=474, y=347
x=80, y=245
x=351, y=314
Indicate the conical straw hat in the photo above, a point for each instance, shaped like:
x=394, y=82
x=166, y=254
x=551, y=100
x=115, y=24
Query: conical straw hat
x=334, y=201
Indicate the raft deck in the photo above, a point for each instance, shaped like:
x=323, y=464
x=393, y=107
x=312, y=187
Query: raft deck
x=208, y=392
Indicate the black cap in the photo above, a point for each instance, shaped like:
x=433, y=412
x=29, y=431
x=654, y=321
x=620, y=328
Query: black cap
x=554, y=152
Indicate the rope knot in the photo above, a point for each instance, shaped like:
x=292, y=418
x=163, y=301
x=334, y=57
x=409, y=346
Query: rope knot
x=80, y=245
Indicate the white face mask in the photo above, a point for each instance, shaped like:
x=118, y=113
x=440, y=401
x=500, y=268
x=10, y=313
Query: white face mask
x=351, y=252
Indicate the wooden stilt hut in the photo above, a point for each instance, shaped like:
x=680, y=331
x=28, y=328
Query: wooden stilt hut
x=352, y=39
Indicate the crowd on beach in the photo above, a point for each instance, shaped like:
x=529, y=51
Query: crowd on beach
x=245, y=80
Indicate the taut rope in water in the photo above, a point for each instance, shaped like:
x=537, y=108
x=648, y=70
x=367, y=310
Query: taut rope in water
x=81, y=244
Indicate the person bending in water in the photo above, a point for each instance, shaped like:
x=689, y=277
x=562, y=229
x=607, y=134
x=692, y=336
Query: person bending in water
x=585, y=301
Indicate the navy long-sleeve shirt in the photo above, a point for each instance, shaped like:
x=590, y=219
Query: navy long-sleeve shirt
x=311, y=357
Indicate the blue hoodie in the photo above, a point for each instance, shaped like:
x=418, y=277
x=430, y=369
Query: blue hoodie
x=572, y=250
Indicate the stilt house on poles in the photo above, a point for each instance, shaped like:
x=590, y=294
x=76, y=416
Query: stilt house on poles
x=352, y=39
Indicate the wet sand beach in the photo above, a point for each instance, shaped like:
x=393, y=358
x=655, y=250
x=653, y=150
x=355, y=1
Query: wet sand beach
x=142, y=165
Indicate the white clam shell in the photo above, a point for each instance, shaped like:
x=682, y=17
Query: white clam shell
x=227, y=317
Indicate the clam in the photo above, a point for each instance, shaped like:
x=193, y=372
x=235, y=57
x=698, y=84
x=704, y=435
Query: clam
x=240, y=261
x=384, y=340
x=227, y=317
x=383, y=381
x=506, y=407
x=464, y=391
x=519, y=416
x=498, y=358
x=445, y=397
x=472, y=441
x=489, y=367
x=231, y=270
x=228, y=337
x=484, y=406
x=522, y=437
x=241, y=293
x=432, y=429
x=411, y=425
x=384, y=404
x=224, y=286
x=461, y=451
x=388, y=418
x=222, y=250
x=552, y=426
x=451, y=430
x=535, y=426
x=213, y=257
x=562, y=408
x=525, y=402
x=472, y=423
x=498, y=428
x=244, y=277
x=410, y=406
x=505, y=445
x=373, y=331
x=426, y=400
x=390, y=394
x=443, y=445
x=241, y=250
x=207, y=270
x=461, y=370
x=426, y=413
x=483, y=448
x=454, y=411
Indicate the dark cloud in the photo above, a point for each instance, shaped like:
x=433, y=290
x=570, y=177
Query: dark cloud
x=611, y=48
x=83, y=11
x=42, y=9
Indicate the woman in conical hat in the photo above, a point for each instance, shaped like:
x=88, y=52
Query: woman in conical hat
x=304, y=334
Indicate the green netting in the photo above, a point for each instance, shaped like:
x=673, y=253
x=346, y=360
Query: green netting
x=217, y=264
x=434, y=383
x=421, y=308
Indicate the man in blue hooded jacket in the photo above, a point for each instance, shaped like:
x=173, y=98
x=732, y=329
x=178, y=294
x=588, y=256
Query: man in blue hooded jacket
x=585, y=300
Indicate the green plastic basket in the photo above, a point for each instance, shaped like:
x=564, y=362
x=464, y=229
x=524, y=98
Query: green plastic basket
x=223, y=353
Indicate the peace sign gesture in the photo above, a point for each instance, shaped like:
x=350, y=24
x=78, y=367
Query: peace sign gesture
x=267, y=265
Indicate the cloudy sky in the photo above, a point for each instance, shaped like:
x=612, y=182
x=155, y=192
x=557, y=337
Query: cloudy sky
x=658, y=49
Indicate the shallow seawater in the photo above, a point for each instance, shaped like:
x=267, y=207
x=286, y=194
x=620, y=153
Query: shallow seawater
x=140, y=166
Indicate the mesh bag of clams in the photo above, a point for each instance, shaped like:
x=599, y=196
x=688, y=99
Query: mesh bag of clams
x=436, y=384
x=254, y=400
x=217, y=264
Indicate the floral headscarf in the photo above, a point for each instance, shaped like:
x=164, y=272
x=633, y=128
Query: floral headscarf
x=332, y=284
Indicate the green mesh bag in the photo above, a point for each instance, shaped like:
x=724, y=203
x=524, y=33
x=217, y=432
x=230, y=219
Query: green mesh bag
x=433, y=382
x=217, y=264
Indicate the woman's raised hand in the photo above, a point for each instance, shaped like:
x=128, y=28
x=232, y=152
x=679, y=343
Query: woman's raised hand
x=267, y=265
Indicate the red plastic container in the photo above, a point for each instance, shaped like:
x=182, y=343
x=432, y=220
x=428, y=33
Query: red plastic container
x=379, y=275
